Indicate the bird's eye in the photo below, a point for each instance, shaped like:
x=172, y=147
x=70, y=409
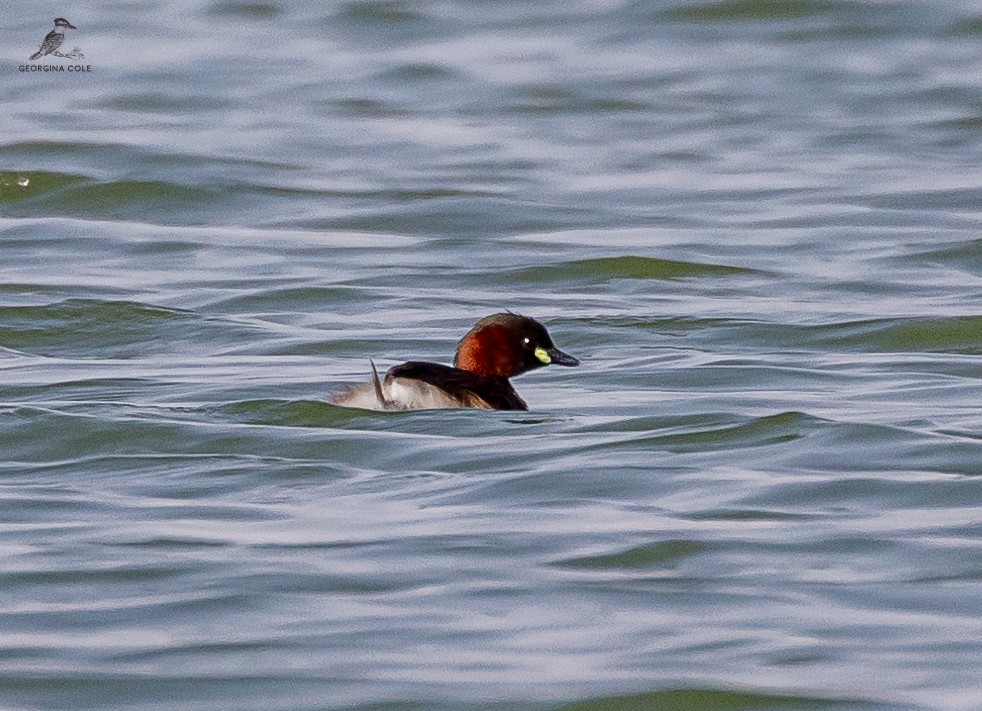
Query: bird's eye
x=528, y=341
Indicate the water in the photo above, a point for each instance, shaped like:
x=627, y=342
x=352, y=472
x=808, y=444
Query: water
x=757, y=223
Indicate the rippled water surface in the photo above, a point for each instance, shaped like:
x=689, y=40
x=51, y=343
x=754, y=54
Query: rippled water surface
x=758, y=223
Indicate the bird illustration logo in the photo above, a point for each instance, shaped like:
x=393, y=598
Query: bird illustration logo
x=52, y=42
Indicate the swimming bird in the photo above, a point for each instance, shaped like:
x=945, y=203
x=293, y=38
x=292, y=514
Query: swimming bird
x=497, y=348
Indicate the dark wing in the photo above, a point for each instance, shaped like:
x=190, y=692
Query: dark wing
x=463, y=384
x=52, y=41
x=48, y=45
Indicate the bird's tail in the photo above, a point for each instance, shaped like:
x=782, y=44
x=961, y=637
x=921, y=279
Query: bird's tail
x=377, y=384
x=35, y=56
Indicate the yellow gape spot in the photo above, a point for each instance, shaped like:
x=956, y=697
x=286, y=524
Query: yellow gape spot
x=541, y=354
